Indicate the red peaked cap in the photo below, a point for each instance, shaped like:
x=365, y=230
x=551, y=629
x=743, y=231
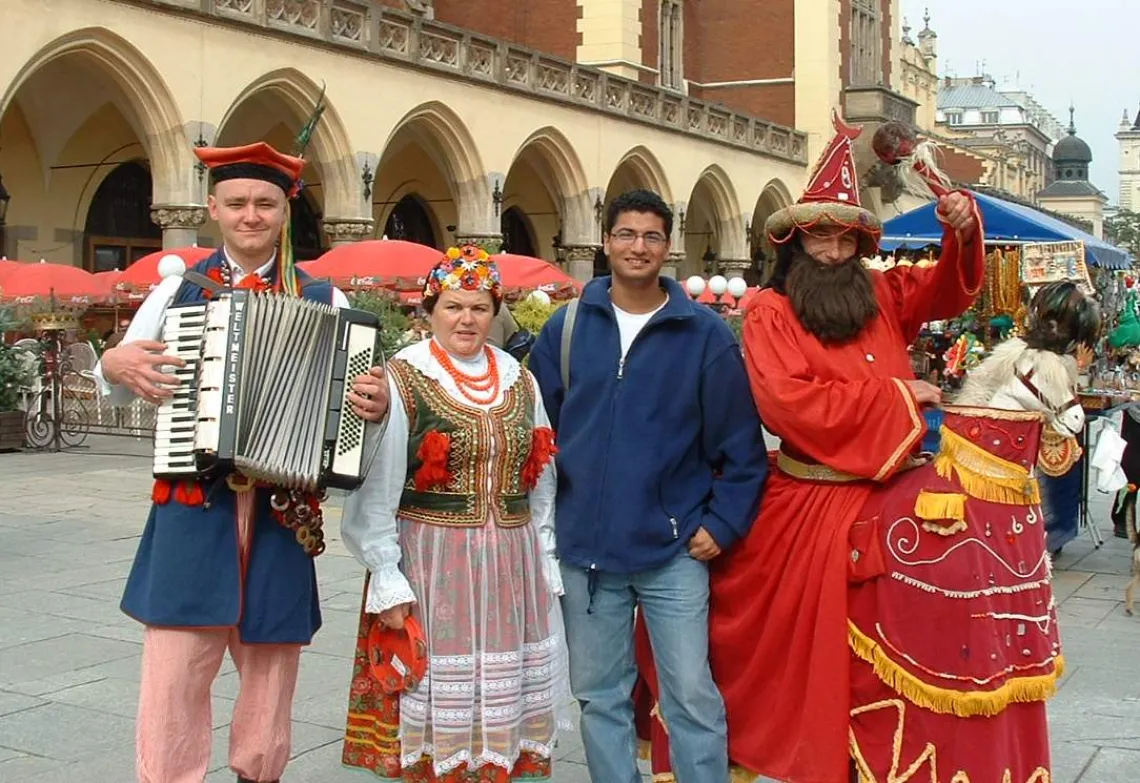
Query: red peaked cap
x=253, y=161
x=835, y=180
x=831, y=198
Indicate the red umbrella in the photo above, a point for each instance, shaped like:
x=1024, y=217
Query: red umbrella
x=376, y=263
x=69, y=284
x=533, y=273
x=106, y=281
x=143, y=275
x=7, y=267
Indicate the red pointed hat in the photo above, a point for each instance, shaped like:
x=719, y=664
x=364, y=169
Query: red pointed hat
x=831, y=198
x=253, y=161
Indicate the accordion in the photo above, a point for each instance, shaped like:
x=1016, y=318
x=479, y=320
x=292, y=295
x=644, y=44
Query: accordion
x=264, y=391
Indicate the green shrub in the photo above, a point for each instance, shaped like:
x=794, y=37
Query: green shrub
x=736, y=324
x=394, y=323
x=532, y=315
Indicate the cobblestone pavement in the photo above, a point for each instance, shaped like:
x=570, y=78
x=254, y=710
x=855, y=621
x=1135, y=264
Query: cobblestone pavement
x=69, y=525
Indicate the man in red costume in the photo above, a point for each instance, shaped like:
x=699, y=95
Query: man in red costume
x=826, y=349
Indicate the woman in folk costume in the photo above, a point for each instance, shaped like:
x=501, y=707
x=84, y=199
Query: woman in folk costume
x=455, y=524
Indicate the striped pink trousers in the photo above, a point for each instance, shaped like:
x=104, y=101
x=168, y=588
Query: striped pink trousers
x=179, y=665
x=173, y=733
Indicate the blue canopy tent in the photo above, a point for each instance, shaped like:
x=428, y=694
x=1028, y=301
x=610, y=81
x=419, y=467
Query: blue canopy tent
x=1006, y=223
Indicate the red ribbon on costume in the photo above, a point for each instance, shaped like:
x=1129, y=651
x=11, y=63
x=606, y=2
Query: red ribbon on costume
x=434, y=453
x=188, y=493
x=160, y=494
x=254, y=283
x=250, y=282
x=215, y=274
x=542, y=450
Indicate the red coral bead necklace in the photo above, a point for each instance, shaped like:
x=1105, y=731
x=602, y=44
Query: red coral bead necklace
x=479, y=385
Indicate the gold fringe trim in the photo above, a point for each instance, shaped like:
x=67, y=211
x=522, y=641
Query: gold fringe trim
x=664, y=777
x=940, y=505
x=982, y=475
x=963, y=704
x=741, y=775
x=644, y=748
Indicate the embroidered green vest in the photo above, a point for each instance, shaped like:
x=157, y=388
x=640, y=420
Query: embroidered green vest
x=478, y=489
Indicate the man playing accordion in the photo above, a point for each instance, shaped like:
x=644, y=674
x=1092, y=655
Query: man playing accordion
x=225, y=563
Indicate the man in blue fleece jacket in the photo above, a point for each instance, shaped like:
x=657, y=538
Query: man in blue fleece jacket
x=660, y=469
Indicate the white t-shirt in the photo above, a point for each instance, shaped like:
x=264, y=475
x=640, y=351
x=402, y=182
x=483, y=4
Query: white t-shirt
x=631, y=324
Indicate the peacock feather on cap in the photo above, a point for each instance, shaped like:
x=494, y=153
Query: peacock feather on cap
x=287, y=271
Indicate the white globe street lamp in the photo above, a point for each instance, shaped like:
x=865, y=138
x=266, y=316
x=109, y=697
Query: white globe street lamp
x=695, y=285
x=737, y=287
x=718, y=285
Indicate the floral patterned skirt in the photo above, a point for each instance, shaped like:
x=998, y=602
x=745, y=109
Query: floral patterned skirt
x=490, y=705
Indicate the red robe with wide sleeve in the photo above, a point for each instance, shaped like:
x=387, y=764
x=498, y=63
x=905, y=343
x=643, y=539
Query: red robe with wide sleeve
x=778, y=620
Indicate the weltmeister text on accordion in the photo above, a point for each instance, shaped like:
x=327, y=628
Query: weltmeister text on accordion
x=264, y=391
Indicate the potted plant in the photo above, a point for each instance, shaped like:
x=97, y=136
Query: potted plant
x=14, y=374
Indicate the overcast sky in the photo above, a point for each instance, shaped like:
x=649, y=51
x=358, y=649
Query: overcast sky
x=1084, y=51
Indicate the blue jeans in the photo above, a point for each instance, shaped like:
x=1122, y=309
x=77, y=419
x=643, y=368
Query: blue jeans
x=675, y=601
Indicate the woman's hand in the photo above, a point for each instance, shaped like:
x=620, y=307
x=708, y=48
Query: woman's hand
x=394, y=618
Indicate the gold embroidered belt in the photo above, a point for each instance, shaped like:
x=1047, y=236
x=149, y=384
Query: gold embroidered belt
x=812, y=472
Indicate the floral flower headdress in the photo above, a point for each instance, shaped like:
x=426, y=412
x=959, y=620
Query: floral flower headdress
x=468, y=268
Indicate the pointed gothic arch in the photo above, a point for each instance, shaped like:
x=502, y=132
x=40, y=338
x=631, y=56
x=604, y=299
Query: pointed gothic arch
x=146, y=98
x=330, y=149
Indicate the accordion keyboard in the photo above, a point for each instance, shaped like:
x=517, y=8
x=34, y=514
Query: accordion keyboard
x=175, y=418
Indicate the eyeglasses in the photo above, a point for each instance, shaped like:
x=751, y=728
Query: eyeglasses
x=653, y=239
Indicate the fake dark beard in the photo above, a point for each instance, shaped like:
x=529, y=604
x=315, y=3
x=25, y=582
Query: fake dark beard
x=833, y=302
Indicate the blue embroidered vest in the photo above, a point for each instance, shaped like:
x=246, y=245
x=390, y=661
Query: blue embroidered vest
x=187, y=572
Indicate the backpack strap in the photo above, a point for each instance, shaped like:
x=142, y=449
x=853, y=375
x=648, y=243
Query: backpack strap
x=567, y=333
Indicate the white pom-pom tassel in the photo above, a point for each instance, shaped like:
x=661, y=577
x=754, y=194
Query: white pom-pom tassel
x=171, y=266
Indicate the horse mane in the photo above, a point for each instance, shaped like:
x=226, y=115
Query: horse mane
x=1051, y=371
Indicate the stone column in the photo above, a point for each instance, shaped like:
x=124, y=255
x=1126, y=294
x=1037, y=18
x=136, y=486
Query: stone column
x=673, y=264
x=734, y=268
x=492, y=243
x=580, y=261
x=348, y=230
x=179, y=223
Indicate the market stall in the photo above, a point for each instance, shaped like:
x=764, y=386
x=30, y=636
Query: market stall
x=1007, y=224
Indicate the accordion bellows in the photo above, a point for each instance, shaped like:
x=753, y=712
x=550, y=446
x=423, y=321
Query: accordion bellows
x=264, y=391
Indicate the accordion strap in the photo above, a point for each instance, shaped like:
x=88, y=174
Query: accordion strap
x=203, y=282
